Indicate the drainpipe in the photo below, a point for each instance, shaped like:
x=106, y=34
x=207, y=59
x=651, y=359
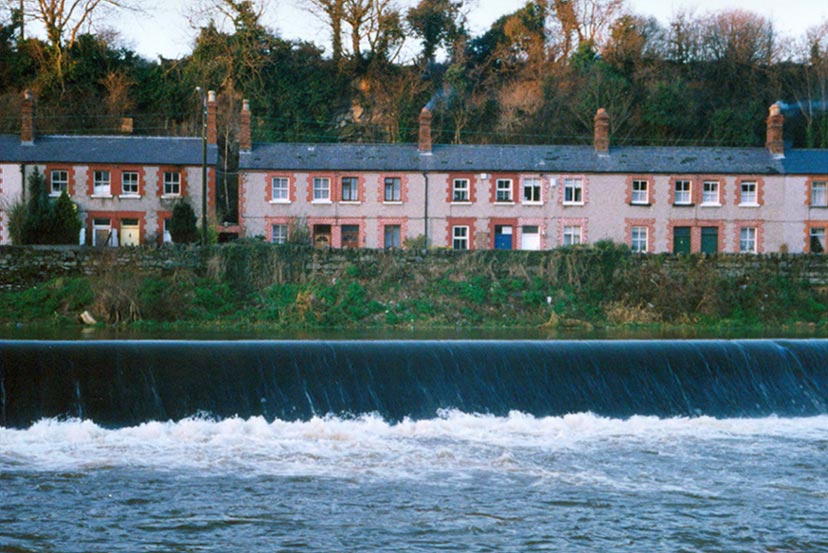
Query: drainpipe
x=425, y=214
x=23, y=184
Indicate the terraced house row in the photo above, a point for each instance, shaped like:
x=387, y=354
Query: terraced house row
x=655, y=199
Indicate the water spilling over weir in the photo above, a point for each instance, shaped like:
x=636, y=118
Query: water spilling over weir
x=123, y=383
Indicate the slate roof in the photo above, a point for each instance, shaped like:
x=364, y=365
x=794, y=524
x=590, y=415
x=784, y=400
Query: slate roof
x=137, y=150
x=517, y=158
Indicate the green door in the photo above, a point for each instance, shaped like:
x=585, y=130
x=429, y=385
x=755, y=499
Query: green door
x=681, y=239
x=710, y=239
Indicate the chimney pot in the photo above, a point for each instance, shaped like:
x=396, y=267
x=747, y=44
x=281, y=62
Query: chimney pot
x=245, y=141
x=775, y=137
x=212, y=131
x=27, y=128
x=601, y=140
x=425, y=131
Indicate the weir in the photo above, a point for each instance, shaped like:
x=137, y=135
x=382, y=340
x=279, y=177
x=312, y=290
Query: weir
x=124, y=383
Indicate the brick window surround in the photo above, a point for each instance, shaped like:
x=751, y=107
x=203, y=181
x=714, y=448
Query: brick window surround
x=184, y=191
x=115, y=178
x=360, y=177
x=472, y=187
x=695, y=192
x=760, y=189
x=650, y=190
x=698, y=188
x=695, y=232
x=382, y=222
x=403, y=188
x=584, y=190
x=452, y=222
x=810, y=225
x=493, y=188
x=507, y=222
x=331, y=187
x=115, y=218
x=291, y=178
x=760, y=234
x=582, y=222
x=531, y=222
x=161, y=215
x=649, y=223
x=809, y=186
x=70, y=171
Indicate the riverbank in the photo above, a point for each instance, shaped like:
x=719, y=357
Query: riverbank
x=256, y=287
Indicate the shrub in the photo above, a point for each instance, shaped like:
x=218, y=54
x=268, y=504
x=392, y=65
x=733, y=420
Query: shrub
x=183, y=223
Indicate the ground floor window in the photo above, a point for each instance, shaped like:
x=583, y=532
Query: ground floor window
x=747, y=240
x=350, y=236
x=817, y=244
x=571, y=235
x=279, y=233
x=391, y=237
x=638, y=242
x=460, y=238
x=167, y=237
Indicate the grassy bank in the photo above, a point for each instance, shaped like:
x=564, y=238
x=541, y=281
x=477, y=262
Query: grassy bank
x=258, y=285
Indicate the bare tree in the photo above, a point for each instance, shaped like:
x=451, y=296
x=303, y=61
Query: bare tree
x=577, y=22
x=810, y=89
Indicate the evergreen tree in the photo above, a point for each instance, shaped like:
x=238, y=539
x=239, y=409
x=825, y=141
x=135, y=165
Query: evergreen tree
x=37, y=226
x=183, y=223
x=67, y=226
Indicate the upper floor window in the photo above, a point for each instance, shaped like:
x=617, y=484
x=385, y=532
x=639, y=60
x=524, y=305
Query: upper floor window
x=819, y=193
x=460, y=190
x=460, y=236
x=748, y=193
x=102, y=183
x=393, y=189
x=172, y=183
x=280, y=189
x=321, y=189
x=682, y=192
x=638, y=241
x=350, y=189
x=573, y=192
x=747, y=240
x=279, y=234
x=129, y=183
x=59, y=182
x=532, y=190
x=640, y=192
x=571, y=235
x=710, y=193
x=503, y=190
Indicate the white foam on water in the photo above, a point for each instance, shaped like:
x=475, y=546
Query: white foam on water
x=452, y=443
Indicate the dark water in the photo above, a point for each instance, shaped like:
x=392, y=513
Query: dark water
x=425, y=446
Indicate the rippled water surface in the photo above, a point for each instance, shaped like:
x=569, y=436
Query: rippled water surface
x=456, y=482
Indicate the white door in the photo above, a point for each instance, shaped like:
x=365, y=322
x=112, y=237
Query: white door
x=530, y=237
x=130, y=232
x=102, y=234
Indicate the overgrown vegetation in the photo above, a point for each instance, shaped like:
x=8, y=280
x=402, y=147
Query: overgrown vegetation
x=291, y=287
x=41, y=220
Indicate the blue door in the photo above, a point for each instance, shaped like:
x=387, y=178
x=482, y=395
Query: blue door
x=503, y=237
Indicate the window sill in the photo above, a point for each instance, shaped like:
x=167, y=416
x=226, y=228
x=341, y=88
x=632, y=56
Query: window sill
x=129, y=197
x=710, y=204
x=504, y=202
x=350, y=202
x=684, y=205
x=818, y=206
x=537, y=204
x=573, y=204
x=322, y=202
x=57, y=194
x=392, y=202
x=641, y=204
x=751, y=204
x=465, y=202
x=277, y=202
x=102, y=196
x=170, y=196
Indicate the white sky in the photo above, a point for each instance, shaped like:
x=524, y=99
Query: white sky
x=165, y=30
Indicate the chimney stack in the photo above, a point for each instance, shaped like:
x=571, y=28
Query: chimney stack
x=212, y=132
x=245, y=142
x=27, y=128
x=601, y=140
x=425, y=131
x=775, y=143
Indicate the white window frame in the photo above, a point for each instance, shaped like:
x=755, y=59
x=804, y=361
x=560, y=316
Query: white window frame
x=749, y=193
x=532, y=191
x=461, y=191
x=59, y=181
x=572, y=235
x=641, y=195
x=353, y=189
x=639, y=239
x=394, y=186
x=573, y=191
x=321, y=190
x=683, y=192
x=280, y=190
x=503, y=191
x=460, y=237
x=748, y=239
x=137, y=184
x=819, y=193
x=172, y=183
x=711, y=193
x=278, y=233
x=102, y=183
